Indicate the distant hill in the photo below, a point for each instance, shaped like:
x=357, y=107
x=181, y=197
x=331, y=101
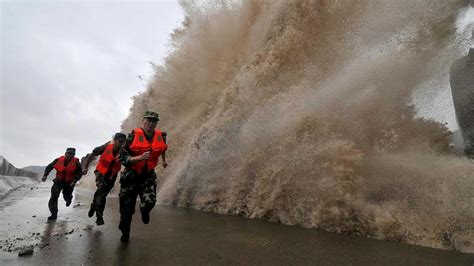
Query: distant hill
x=8, y=169
x=38, y=169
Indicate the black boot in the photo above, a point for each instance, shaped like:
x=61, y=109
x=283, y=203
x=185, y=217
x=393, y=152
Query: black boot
x=91, y=211
x=125, y=232
x=99, y=220
x=68, y=202
x=125, y=236
x=145, y=216
x=52, y=217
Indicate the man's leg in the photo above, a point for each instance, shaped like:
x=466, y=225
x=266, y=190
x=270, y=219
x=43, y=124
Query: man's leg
x=53, y=201
x=67, y=194
x=148, y=198
x=100, y=197
x=93, y=204
x=128, y=199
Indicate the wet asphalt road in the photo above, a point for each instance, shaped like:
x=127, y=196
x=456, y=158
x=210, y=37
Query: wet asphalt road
x=183, y=237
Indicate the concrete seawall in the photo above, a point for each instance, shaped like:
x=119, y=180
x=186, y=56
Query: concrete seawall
x=8, y=169
x=12, y=178
x=10, y=183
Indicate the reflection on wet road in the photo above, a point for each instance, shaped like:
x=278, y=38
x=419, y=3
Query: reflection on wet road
x=183, y=237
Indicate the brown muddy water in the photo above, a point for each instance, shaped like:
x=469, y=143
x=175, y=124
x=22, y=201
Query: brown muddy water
x=334, y=115
x=178, y=236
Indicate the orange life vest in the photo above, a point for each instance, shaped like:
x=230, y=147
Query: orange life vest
x=65, y=173
x=140, y=145
x=108, y=162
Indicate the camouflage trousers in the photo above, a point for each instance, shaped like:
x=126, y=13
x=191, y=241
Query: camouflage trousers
x=131, y=186
x=104, y=185
x=55, y=191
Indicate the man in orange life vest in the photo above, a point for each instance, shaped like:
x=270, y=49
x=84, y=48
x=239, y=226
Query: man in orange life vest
x=68, y=172
x=140, y=156
x=106, y=173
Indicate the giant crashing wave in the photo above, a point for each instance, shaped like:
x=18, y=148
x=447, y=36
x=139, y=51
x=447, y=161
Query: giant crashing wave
x=302, y=112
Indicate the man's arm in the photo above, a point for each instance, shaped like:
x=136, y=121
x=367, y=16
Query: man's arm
x=125, y=157
x=163, y=135
x=78, y=172
x=124, y=154
x=163, y=155
x=48, y=169
x=163, y=159
x=89, y=157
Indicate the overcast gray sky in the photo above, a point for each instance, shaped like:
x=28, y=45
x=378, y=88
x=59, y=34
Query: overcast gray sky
x=69, y=68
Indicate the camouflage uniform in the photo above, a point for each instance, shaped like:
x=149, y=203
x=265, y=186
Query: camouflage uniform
x=133, y=184
x=104, y=186
x=104, y=183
